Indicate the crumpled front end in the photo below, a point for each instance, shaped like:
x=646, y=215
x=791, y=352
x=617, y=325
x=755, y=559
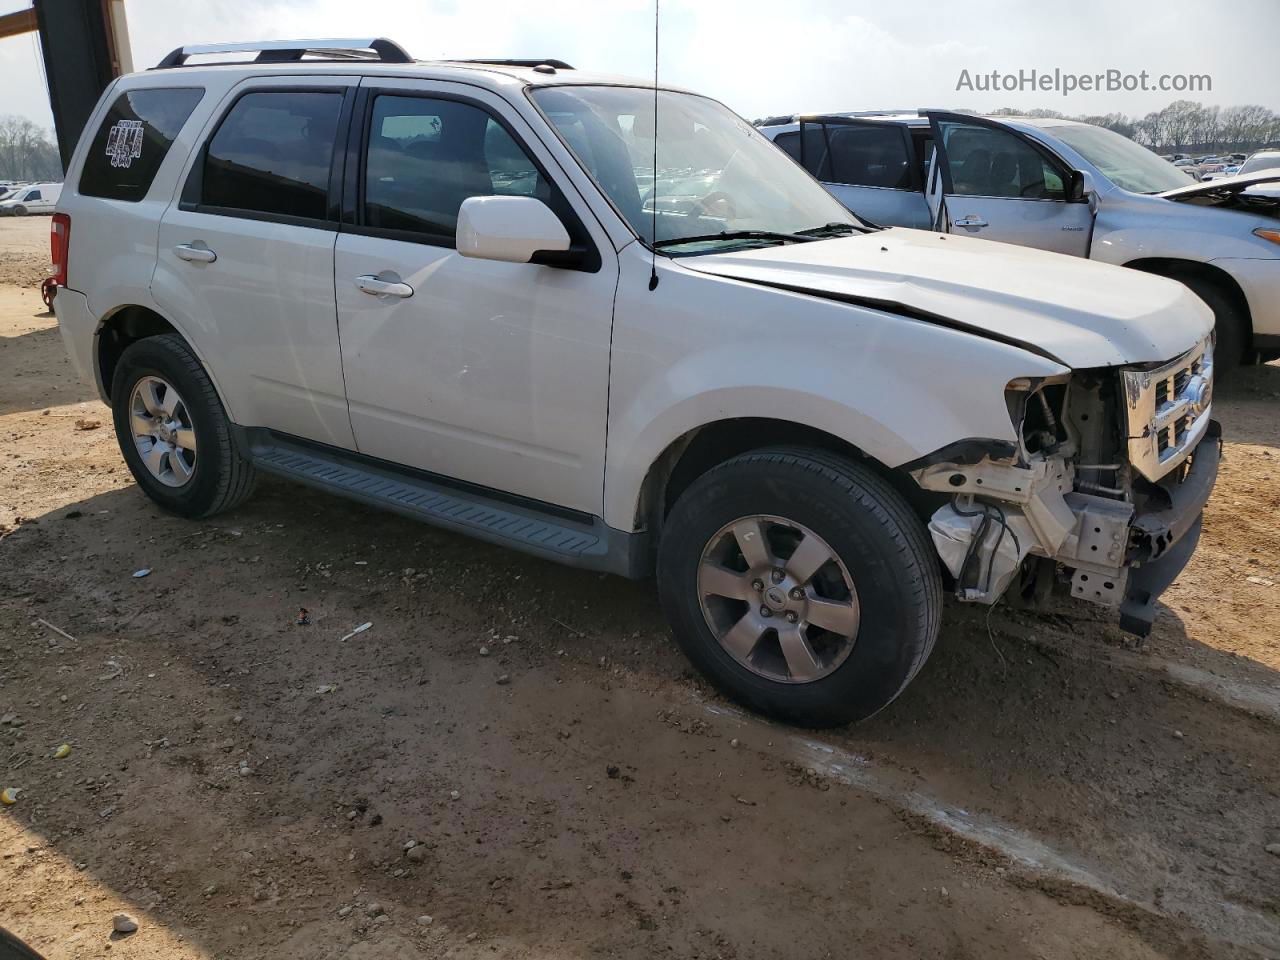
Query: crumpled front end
x=1101, y=497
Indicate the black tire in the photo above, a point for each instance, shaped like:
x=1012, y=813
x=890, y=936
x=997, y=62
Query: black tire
x=19, y=211
x=873, y=532
x=222, y=478
x=1230, y=328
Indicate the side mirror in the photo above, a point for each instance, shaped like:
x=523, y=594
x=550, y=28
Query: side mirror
x=512, y=229
x=1075, y=186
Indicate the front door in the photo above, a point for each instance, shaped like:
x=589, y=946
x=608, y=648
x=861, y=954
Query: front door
x=999, y=185
x=246, y=255
x=491, y=373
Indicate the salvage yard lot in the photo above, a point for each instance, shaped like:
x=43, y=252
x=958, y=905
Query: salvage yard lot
x=246, y=786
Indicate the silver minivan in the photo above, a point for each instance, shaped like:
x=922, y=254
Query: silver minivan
x=1064, y=186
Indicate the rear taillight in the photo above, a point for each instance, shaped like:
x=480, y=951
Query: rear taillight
x=59, y=244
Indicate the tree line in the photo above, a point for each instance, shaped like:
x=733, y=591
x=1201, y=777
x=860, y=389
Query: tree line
x=1185, y=126
x=27, y=151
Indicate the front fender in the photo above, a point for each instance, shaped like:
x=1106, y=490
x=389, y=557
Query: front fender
x=700, y=349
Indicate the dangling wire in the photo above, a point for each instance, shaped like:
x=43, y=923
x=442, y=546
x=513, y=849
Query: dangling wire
x=653, y=193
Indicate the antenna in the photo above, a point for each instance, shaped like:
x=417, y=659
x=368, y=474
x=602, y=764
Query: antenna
x=653, y=193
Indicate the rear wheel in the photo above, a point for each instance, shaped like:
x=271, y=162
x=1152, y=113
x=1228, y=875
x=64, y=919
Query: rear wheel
x=801, y=584
x=173, y=432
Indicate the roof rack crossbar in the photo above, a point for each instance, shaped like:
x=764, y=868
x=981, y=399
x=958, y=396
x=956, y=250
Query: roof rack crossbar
x=498, y=62
x=377, y=49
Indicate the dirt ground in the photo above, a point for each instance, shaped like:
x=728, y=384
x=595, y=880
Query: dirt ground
x=515, y=762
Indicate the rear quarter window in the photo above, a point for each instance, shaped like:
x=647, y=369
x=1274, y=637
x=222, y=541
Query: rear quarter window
x=133, y=140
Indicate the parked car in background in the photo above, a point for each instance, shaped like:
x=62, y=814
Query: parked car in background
x=449, y=290
x=1064, y=186
x=1262, y=160
x=37, y=198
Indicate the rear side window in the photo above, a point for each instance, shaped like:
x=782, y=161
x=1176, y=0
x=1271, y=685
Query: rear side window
x=790, y=144
x=426, y=156
x=861, y=156
x=272, y=154
x=133, y=140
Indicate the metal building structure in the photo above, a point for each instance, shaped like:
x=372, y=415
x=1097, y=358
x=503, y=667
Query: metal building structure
x=85, y=45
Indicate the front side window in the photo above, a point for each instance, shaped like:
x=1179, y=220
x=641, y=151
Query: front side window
x=33, y=195
x=985, y=162
x=272, y=154
x=715, y=172
x=426, y=156
x=133, y=139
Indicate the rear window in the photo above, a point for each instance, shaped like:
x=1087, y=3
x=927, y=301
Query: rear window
x=133, y=140
x=272, y=154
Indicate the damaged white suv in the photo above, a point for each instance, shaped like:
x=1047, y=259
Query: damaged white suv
x=459, y=291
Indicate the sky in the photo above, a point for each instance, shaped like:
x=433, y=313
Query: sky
x=761, y=57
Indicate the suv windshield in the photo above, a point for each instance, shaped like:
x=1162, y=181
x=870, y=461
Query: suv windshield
x=1128, y=165
x=716, y=173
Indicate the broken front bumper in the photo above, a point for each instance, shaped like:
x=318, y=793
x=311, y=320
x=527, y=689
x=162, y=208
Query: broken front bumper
x=1165, y=534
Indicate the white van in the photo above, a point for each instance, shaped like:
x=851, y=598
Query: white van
x=35, y=198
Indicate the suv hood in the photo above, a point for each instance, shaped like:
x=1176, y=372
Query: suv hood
x=1078, y=312
x=1223, y=186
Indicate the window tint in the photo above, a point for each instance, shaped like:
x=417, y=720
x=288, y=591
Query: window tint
x=863, y=156
x=272, y=154
x=995, y=163
x=427, y=156
x=133, y=139
x=33, y=195
x=790, y=144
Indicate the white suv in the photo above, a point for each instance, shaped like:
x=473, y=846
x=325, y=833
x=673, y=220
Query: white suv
x=458, y=291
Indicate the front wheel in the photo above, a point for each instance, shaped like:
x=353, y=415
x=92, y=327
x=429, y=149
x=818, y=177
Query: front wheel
x=801, y=584
x=19, y=211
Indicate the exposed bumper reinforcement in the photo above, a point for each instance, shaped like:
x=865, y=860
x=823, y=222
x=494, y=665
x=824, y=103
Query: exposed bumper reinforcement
x=1169, y=535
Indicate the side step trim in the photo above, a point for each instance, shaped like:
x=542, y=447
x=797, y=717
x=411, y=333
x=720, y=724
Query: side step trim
x=588, y=543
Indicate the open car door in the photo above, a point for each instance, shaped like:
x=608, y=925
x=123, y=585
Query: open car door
x=868, y=165
x=998, y=184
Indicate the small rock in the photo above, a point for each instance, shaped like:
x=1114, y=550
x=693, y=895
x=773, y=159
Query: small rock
x=504, y=679
x=417, y=854
x=374, y=909
x=484, y=651
x=123, y=923
x=382, y=918
x=426, y=920
x=454, y=795
x=471, y=936
x=733, y=742
x=1273, y=849
x=344, y=912
x=1177, y=734
x=409, y=845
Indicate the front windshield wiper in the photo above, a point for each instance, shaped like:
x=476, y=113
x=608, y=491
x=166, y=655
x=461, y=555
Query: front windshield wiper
x=736, y=235
x=833, y=229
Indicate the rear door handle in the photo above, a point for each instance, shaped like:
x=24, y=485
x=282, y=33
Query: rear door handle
x=972, y=220
x=377, y=287
x=193, y=254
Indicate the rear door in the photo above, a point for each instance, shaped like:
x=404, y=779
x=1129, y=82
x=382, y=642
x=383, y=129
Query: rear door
x=1000, y=185
x=492, y=373
x=868, y=165
x=246, y=254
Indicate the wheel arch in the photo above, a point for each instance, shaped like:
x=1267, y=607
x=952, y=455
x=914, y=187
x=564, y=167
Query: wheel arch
x=128, y=323
x=1176, y=268
x=693, y=453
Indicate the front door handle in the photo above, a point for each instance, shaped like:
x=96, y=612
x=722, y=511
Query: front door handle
x=377, y=287
x=194, y=254
x=972, y=220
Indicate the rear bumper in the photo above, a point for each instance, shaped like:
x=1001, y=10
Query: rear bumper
x=1165, y=534
x=77, y=326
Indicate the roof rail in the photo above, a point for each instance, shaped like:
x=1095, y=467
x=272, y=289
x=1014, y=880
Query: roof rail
x=377, y=49
x=558, y=64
